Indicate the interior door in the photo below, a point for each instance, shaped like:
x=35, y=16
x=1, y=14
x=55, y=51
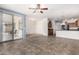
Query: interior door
x=7, y=27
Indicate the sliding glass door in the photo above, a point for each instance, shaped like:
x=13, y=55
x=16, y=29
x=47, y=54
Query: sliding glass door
x=12, y=25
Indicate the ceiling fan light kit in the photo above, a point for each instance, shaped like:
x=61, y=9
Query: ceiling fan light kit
x=41, y=11
x=38, y=8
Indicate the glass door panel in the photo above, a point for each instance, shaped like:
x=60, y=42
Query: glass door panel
x=7, y=27
x=18, y=27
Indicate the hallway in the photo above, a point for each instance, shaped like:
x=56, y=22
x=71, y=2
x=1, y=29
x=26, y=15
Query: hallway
x=40, y=45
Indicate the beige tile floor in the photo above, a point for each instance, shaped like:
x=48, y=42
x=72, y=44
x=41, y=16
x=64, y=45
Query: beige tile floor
x=40, y=45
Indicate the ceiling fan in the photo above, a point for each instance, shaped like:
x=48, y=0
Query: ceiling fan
x=38, y=7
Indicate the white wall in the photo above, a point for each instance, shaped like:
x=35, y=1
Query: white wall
x=42, y=27
x=37, y=26
x=30, y=26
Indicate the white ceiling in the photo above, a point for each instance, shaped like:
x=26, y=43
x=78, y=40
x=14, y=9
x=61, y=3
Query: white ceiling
x=54, y=10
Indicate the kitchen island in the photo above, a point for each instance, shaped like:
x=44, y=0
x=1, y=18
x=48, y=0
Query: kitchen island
x=68, y=34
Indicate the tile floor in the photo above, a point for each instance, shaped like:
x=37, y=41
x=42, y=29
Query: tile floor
x=40, y=45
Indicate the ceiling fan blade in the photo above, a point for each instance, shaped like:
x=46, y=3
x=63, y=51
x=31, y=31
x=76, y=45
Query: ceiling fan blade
x=44, y=8
x=32, y=8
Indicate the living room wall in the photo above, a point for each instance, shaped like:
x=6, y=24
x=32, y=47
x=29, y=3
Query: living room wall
x=42, y=27
x=37, y=26
x=30, y=26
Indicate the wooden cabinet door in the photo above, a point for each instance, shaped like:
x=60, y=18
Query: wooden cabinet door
x=50, y=31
